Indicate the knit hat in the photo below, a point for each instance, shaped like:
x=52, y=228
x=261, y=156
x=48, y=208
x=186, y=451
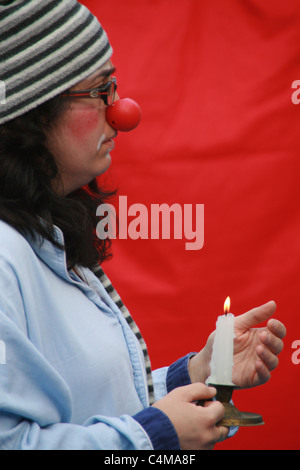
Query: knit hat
x=46, y=47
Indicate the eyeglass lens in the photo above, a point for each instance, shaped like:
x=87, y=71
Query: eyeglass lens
x=111, y=92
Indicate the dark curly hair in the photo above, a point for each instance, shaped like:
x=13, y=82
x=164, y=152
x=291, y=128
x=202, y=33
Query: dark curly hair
x=27, y=201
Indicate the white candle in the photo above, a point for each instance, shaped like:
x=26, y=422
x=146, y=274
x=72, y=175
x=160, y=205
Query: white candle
x=222, y=355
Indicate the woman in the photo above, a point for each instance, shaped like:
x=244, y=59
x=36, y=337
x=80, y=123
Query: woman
x=76, y=372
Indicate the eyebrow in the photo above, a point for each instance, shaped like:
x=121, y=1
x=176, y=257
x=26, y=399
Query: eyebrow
x=103, y=73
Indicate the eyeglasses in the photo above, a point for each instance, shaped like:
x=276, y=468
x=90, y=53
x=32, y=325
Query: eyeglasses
x=106, y=92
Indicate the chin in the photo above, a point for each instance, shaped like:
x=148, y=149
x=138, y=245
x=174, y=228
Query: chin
x=105, y=164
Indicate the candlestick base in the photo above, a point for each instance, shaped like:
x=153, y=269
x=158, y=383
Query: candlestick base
x=232, y=416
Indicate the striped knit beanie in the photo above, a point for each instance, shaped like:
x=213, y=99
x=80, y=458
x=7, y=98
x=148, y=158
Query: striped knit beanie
x=46, y=47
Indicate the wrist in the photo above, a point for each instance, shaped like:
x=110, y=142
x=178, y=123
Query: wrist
x=198, y=367
x=159, y=428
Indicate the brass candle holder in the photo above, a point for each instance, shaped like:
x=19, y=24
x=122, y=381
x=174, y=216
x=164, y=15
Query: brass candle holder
x=232, y=416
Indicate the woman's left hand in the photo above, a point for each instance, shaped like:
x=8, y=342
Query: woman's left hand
x=255, y=349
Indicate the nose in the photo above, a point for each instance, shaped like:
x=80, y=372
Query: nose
x=124, y=114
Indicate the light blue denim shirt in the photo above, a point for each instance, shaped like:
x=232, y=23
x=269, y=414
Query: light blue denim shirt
x=74, y=374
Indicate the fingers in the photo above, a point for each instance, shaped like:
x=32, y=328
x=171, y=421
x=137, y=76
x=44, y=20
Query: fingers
x=263, y=372
x=224, y=431
x=269, y=359
x=255, y=316
x=197, y=391
x=196, y=426
x=271, y=341
x=277, y=328
x=272, y=345
x=215, y=410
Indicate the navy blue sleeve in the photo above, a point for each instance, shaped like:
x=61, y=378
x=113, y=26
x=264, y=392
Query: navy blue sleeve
x=159, y=429
x=156, y=423
x=178, y=374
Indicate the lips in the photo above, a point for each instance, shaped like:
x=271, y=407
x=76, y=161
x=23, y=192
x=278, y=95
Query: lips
x=107, y=140
x=109, y=143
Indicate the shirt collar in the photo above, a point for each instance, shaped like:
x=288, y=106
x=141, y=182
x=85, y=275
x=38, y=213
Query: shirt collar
x=52, y=255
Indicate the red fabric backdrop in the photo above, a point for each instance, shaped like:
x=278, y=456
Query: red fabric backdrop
x=214, y=80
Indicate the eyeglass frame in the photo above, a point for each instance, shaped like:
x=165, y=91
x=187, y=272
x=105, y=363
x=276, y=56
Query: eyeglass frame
x=101, y=92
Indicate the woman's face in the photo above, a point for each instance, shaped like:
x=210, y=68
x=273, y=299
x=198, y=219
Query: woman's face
x=82, y=139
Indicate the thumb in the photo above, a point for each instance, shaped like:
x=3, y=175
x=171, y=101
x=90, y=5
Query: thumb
x=196, y=391
x=255, y=316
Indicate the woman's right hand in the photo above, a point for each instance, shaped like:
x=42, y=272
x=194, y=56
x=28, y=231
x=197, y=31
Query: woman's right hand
x=196, y=426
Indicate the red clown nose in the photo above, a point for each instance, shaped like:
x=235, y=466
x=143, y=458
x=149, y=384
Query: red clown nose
x=124, y=115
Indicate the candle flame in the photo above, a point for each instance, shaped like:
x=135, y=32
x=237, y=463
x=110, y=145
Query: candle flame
x=227, y=305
